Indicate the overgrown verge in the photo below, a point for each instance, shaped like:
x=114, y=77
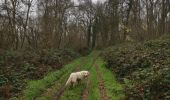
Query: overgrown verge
x=17, y=67
x=34, y=88
x=146, y=68
x=55, y=90
x=113, y=88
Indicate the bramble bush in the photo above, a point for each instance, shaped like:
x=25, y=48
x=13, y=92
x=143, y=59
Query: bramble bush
x=146, y=65
x=16, y=67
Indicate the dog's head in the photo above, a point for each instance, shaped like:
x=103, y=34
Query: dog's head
x=86, y=73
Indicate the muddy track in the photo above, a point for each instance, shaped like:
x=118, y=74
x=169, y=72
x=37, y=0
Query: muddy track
x=86, y=92
x=60, y=91
x=103, y=92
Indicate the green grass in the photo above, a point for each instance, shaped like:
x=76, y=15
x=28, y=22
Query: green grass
x=114, y=89
x=35, y=87
x=94, y=93
x=48, y=95
x=75, y=93
x=45, y=88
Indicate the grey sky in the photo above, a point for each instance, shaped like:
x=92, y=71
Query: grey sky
x=94, y=1
x=33, y=7
x=99, y=0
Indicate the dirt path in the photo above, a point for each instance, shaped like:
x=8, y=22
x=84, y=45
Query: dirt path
x=98, y=86
x=60, y=91
x=103, y=92
x=86, y=92
x=50, y=93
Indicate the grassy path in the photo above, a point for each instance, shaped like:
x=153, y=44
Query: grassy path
x=101, y=84
x=49, y=93
x=113, y=88
x=93, y=90
x=36, y=87
x=77, y=92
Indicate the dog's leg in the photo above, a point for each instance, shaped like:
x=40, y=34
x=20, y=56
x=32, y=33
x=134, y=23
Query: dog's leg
x=71, y=85
x=74, y=83
x=78, y=80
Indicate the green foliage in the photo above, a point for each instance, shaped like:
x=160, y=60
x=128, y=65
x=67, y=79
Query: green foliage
x=3, y=80
x=156, y=44
x=16, y=67
x=146, y=65
x=34, y=88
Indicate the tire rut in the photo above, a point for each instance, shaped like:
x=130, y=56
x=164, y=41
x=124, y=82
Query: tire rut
x=61, y=90
x=103, y=92
x=84, y=96
x=86, y=92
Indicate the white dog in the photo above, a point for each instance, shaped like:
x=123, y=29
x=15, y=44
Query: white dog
x=76, y=77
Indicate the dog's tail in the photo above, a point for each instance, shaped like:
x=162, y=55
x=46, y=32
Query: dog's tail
x=68, y=81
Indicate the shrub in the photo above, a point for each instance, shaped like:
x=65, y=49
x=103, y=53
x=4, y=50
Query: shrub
x=16, y=67
x=146, y=65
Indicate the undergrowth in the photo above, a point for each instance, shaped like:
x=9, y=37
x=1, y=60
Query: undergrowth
x=145, y=66
x=34, y=88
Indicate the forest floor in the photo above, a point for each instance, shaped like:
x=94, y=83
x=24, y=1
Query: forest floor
x=100, y=85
